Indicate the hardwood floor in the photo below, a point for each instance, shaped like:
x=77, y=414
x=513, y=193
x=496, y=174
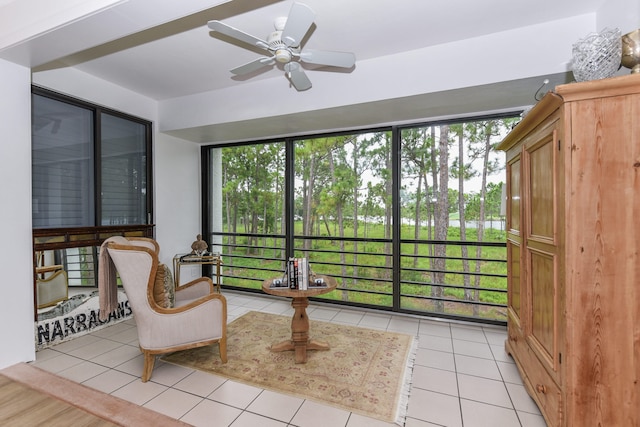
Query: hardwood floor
x=21, y=405
x=30, y=396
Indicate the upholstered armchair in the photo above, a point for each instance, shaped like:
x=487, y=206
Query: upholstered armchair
x=194, y=316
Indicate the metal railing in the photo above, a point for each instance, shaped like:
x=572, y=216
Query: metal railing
x=465, y=280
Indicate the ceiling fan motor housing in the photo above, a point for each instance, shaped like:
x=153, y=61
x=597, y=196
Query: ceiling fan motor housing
x=281, y=51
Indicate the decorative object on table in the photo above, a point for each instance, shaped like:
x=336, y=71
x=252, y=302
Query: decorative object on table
x=199, y=247
x=298, y=275
x=597, y=56
x=631, y=51
x=366, y=371
x=279, y=283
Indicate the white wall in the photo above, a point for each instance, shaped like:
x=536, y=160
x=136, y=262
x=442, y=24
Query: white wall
x=16, y=253
x=81, y=85
x=177, y=189
x=621, y=14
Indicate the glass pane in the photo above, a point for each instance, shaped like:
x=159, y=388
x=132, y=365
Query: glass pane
x=123, y=171
x=247, y=202
x=81, y=265
x=343, y=212
x=453, y=261
x=62, y=162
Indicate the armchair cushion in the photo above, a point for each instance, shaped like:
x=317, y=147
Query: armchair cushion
x=193, y=290
x=164, y=287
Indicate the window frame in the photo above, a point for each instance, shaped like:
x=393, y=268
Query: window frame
x=97, y=112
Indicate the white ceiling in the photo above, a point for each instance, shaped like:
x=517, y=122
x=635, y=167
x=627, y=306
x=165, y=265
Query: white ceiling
x=166, y=51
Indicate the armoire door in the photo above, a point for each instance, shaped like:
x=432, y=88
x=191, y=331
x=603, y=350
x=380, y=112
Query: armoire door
x=514, y=241
x=541, y=251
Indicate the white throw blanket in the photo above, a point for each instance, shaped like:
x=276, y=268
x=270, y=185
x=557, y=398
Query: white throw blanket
x=107, y=278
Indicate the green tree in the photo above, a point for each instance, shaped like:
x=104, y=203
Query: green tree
x=416, y=146
x=463, y=172
x=483, y=138
x=441, y=216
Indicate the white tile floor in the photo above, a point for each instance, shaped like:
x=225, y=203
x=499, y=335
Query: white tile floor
x=462, y=376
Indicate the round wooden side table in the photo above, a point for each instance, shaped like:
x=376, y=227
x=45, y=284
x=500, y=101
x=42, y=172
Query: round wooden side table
x=300, y=341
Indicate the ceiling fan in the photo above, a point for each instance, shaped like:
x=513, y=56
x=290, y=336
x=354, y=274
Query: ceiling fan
x=284, y=47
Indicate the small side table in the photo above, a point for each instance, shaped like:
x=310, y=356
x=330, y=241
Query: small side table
x=192, y=259
x=300, y=341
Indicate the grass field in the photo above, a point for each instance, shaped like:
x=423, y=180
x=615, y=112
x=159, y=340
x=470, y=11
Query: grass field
x=365, y=270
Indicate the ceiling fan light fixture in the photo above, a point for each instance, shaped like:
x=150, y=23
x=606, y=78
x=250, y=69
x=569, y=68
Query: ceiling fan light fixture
x=283, y=56
x=279, y=23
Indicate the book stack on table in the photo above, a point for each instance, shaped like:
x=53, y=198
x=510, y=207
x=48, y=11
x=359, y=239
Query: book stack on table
x=298, y=275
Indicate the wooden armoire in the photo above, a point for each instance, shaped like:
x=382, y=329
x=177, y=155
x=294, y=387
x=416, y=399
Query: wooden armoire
x=573, y=249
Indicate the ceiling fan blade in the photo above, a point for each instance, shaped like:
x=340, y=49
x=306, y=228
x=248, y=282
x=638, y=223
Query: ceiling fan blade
x=297, y=76
x=325, y=57
x=254, y=65
x=298, y=23
x=237, y=34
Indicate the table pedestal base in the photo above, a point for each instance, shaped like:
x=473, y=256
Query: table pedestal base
x=300, y=341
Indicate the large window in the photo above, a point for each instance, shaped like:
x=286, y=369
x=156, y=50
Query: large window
x=406, y=218
x=343, y=198
x=91, y=179
x=90, y=165
x=453, y=258
x=245, y=192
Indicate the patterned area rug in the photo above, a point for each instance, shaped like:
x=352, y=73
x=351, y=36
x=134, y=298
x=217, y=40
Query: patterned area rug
x=365, y=371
